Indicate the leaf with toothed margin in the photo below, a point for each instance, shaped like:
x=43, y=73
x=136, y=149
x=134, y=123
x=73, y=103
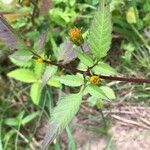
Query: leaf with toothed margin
x=62, y=114
x=99, y=38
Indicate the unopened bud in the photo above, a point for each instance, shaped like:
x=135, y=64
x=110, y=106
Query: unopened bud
x=95, y=79
x=76, y=36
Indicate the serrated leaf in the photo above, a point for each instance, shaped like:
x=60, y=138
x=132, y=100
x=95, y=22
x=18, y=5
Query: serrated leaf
x=85, y=58
x=108, y=91
x=62, y=114
x=24, y=75
x=95, y=91
x=21, y=63
x=99, y=38
x=35, y=92
x=21, y=55
x=71, y=80
x=49, y=72
x=103, y=69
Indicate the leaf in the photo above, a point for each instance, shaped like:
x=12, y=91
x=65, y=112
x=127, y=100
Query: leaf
x=96, y=91
x=92, y=100
x=70, y=80
x=62, y=114
x=85, y=58
x=24, y=75
x=49, y=72
x=66, y=53
x=40, y=42
x=21, y=63
x=21, y=55
x=12, y=121
x=108, y=91
x=39, y=69
x=35, y=93
x=95, y=101
x=30, y=117
x=8, y=35
x=103, y=69
x=99, y=38
x=54, y=82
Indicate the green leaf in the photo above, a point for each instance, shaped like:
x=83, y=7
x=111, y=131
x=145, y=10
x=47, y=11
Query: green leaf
x=12, y=122
x=85, y=58
x=8, y=137
x=35, y=93
x=99, y=38
x=95, y=91
x=62, y=114
x=30, y=117
x=24, y=75
x=92, y=100
x=39, y=69
x=22, y=55
x=21, y=63
x=71, y=80
x=49, y=72
x=103, y=69
x=108, y=91
x=54, y=82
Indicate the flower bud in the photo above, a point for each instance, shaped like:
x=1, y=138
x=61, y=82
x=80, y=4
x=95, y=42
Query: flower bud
x=95, y=79
x=39, y=60
x=76, y=36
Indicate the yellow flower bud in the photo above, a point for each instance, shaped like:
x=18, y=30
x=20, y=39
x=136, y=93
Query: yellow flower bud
x=76, y=36
x=95, y=79
x=39, y=60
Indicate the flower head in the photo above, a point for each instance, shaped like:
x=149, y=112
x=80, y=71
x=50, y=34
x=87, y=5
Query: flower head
x=39, y=60
x=95, y=79
x=76, y=36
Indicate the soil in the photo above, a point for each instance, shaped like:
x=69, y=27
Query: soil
x=129, y=128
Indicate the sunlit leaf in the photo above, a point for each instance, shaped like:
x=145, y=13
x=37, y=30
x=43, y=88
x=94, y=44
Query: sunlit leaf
x=71, y=80
x=96, y=91
x=103, y=69
x=99, y=38
x=35, y=92
x=24, y=75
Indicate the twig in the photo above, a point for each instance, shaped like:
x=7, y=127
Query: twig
x=130, y=122
x=74, y=71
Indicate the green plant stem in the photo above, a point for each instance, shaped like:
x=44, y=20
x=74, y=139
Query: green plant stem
x=16, y=140
x=104, y=120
